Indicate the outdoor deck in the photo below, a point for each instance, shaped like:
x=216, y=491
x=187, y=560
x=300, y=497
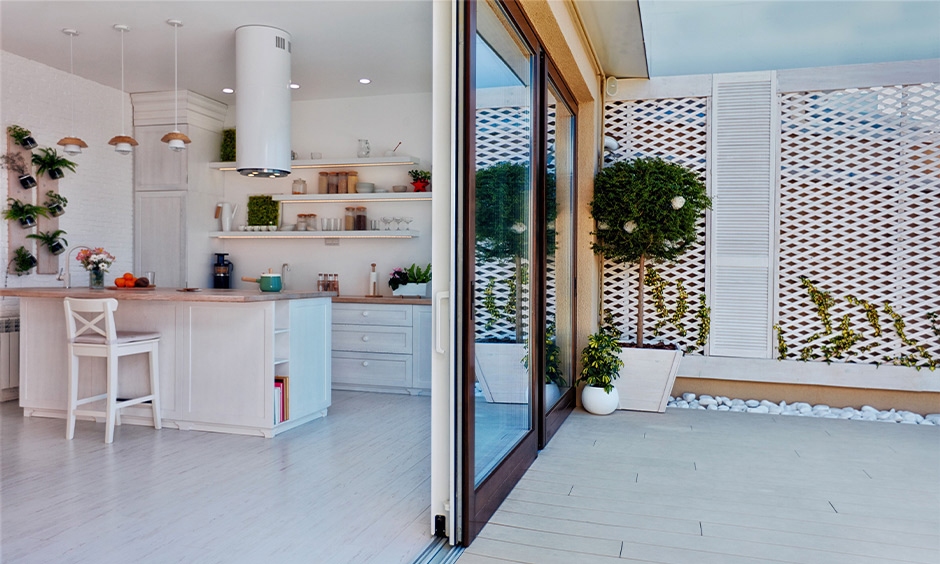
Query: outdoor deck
x=726, y=488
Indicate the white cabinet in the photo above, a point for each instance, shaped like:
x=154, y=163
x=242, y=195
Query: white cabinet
x=160, y=236
x=382, y=347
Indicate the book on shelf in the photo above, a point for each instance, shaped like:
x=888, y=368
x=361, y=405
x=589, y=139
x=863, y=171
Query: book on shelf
x=284, y=383
x=278, y=403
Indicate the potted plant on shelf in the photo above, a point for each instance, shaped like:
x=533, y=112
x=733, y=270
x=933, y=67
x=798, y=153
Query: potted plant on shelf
x=96, y=262
x=262, y=212
x=16, y=163
x=26, y=214
x=50, y=162
x=420, y=179
x=227, y=152
x=53, y=240
x=23, y=261
x=600, y=366
x=22, y=136
x=646, y=209
x=55, y=203
x=411, y=281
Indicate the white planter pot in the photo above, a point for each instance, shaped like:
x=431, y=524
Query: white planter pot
x=599, y=402
x=646, y=378
x=500, y=372
x=420, y=290
x=552, y=393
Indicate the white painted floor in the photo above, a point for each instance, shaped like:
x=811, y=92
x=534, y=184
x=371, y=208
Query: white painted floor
x=707, y=487
x=352, y=487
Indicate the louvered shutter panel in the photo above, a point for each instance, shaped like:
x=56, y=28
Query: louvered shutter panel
x=744, y=133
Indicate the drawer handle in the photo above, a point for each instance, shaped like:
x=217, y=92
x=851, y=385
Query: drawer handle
x=365, y=314
x=365, y=363
x=365, y=338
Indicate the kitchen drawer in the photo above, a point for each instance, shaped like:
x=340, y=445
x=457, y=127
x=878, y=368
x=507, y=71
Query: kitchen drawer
x=375, y=339
x=367, y=369
x=372, y=314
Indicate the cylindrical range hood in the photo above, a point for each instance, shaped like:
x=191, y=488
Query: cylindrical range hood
x=262, y=106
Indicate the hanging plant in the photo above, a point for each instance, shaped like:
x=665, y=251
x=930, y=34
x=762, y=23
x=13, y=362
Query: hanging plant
x=22, y=136
x=25, y=213
x=16, y=163
x=23, y=261
x=50, y=162
x=53, y=240
x=646, y=209
x=55, y=203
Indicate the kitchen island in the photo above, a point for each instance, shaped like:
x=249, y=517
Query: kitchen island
x=220, y=351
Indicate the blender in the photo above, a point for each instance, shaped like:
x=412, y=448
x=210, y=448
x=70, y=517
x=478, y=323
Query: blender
x=222, y=271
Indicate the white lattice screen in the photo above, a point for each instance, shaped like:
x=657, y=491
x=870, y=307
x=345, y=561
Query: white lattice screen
x=860, y=209
x=675, y=129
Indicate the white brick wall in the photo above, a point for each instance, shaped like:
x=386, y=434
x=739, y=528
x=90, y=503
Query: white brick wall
x=101, y=192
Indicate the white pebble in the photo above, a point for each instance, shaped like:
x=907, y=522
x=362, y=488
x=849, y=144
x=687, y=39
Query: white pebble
x=752, y=403
x=775, y=410
x=804, y=409
x=927, y=422
x=724, y=400
x=688, y=396
x=682, y=403
x=672, y=398
x=724, y=408
x=868, y=409
x=758, y=409
x=768, y=404
x=821, y=407
x=713, y=407
x=707, y=401
x=801, y=404
x=705, y=396
x=935, y=417
x=737, y=403
x=884, y=415
x=906, y=422
x=738, y=408
x=693, y=404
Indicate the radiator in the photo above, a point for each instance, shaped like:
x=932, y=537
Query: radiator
x=9, y=358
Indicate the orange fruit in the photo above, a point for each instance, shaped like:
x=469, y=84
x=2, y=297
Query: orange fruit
x=119, y=282
x=128, y=276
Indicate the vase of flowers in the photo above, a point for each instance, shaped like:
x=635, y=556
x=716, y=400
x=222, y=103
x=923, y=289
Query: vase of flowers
x=96, y=262
x=411, y=281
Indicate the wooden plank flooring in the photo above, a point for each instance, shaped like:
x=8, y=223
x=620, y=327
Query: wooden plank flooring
x=351, y=487
x=702, y=487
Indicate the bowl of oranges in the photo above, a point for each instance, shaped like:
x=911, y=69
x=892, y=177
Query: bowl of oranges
x=130, y=282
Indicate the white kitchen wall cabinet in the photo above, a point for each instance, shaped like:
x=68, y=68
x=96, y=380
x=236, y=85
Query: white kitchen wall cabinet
x=382, y=347
x=178, y=185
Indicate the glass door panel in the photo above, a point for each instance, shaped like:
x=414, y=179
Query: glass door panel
x=503, y=244
x=559, y=250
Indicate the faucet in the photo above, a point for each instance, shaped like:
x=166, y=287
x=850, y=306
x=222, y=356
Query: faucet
x=64, y=273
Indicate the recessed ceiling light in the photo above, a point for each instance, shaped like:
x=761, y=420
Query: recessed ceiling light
x=228, y=91
x=294, y=86
x=364, y=81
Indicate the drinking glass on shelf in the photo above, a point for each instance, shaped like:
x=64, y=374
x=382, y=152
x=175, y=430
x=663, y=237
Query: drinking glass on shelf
x=407, y=221
x=397, y=221
x=387, y=221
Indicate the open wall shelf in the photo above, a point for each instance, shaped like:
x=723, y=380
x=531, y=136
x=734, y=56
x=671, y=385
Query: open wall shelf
x=392, y=234
x=334, y=163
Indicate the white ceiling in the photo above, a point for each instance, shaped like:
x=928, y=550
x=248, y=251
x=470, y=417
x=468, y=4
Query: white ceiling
x=335, y=43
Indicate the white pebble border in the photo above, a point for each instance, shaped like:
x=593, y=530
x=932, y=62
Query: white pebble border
x=688, y=400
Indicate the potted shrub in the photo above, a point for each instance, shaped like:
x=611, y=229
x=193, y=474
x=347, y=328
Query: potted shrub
x=646, y=209
x=22, y=136
x=50, y=162
x=53, y=240
x=600, y=366
x=16, y=163
x=411, y=281
x=26, y=214
x=262, y=211
x=55, y=203
x=420, y=179
x=227, y=152
x=23, y=261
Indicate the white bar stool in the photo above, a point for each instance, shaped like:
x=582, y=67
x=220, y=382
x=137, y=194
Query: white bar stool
x=97, y=337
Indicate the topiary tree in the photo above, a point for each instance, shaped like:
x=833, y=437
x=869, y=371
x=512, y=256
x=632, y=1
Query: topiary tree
x=646, y=208
x=502, y=216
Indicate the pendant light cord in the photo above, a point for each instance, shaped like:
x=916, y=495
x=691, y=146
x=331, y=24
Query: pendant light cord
x=176, y=78
x=72, y=72
x=122, y=83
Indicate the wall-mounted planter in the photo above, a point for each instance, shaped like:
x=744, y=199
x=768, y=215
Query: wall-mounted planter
x=23, y=261
x=27, y=181
x=55, y=210
x=57, y=248
x=28, y=222
x=56, y=173
x=28, y=143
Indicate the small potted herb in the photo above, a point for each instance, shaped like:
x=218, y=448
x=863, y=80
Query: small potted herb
x=420, y=179
x=23, y=261
x=50, y=162
x=600, y=366
x=411, y=281
x=16, y=163
x=22, y=136
x=55, y=203
x=26, y=214
x=53, y=240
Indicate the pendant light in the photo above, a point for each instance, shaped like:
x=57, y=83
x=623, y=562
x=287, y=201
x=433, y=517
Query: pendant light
x=123, y=144
x=176, y=140
x=72, y=145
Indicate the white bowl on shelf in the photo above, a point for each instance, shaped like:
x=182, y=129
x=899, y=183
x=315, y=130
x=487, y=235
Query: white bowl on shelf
x=400, y=188
x=365, y=187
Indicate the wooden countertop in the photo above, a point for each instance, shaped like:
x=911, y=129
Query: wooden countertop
x=381, y=300
x=166, y=294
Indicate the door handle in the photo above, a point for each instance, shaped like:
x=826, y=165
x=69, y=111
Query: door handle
x=441, y=296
